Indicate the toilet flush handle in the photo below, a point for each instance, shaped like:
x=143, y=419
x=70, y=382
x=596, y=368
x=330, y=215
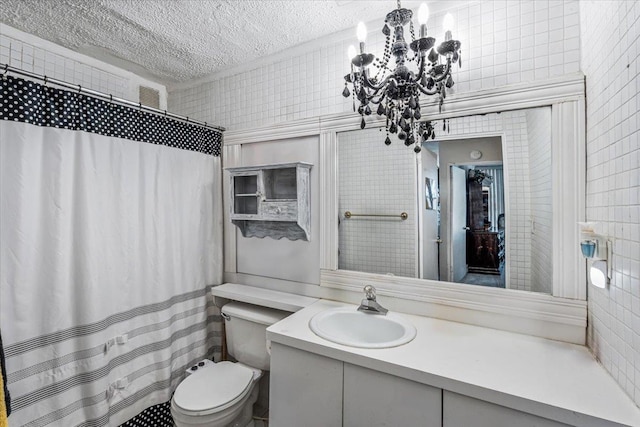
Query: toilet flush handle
x=225, y=316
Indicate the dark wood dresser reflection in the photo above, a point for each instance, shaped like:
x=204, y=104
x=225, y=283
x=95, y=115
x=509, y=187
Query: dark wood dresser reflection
x=485, y=251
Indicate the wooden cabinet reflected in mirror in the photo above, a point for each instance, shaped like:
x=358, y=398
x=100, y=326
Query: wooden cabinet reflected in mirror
x=485, y=240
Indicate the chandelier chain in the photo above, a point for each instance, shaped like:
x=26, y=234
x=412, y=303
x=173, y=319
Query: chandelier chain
x=385, y=58
x=413, y=33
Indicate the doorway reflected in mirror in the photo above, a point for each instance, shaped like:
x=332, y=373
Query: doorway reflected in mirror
x=478, y=201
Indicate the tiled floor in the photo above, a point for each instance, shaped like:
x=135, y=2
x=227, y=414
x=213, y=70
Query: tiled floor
x=491, y=280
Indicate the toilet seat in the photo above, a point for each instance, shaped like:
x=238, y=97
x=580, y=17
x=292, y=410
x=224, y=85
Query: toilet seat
x=214, y=389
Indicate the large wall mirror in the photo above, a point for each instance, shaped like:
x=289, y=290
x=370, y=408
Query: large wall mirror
x=475, y=206
x=502, y=241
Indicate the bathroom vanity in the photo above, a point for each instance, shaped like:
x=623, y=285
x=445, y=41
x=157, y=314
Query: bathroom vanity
x=450, y=375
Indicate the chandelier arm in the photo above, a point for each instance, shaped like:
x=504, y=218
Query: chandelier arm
x=377, y=94
x=421, y=65
x=445, y=74
x=379, y=100
x=370, y=85
x=369, y=97
x=427, y=91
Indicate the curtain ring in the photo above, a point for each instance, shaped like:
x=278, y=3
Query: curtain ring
x=79, y=88
x=165, y=113
x=6, y=68
x=45, y=80
x=110, y=99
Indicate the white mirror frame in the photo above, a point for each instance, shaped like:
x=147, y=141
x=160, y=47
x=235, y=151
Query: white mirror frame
x=561, y=316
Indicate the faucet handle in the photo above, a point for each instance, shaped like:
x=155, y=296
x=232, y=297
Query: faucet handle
x=370, y=292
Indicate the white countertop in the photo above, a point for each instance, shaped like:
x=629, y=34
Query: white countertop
x=551, y=379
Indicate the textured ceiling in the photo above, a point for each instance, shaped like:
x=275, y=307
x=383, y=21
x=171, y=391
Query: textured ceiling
x=178, y=40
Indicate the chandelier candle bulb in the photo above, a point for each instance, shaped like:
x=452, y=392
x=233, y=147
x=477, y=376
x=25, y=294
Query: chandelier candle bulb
x=351, y=52
x=447, y=24
x=423, y=17
x=361, y=33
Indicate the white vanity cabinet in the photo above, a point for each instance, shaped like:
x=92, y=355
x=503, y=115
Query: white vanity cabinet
x=464, y=411
x=305, y=389
x=316, y=391
x=449, y=375
x=271, y=200
x=373, y=398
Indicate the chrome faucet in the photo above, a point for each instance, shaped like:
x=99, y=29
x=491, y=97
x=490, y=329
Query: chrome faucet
x=369, y=303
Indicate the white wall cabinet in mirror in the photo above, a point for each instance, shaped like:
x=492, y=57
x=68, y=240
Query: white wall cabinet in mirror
x=271, y=200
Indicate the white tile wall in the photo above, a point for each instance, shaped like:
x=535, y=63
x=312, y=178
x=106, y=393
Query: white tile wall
x=30, y=53
x=518, y=200
x=503, y=42
x=539, y=141
x=377, y=179
x=610, y=46
x=29, y=57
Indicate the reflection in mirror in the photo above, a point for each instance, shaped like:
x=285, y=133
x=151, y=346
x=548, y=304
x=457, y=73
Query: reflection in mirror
x=477, y=199
x=472, y=197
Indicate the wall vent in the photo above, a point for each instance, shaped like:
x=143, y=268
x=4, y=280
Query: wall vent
x=149, y=97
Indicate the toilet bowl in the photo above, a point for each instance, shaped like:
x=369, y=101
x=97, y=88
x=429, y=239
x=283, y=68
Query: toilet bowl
x=222, y=394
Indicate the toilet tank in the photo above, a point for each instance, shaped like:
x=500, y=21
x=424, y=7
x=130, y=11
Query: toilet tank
x=246, y=332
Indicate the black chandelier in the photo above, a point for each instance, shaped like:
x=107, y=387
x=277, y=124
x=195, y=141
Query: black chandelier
x=397, y=91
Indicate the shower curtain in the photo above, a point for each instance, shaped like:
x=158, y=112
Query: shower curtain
x=111, y=237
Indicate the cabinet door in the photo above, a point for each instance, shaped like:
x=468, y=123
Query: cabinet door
x=375, y=399
x=463, y=411
x=245, y=191
x=305, y=389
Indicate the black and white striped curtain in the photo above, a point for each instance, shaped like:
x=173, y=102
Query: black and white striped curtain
x=111, y=237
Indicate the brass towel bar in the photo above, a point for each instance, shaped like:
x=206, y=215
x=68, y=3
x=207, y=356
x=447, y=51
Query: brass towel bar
x=403, y=215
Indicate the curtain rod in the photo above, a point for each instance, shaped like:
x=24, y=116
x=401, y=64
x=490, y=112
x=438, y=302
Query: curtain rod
x=108, y=97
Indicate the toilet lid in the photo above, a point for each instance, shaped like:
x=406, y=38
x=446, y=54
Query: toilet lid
x=216, y=386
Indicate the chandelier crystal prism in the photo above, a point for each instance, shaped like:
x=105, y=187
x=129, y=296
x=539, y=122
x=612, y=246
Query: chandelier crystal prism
x=396, y=92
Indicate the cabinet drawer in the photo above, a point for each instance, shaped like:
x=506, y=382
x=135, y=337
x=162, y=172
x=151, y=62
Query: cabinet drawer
x=279, y=211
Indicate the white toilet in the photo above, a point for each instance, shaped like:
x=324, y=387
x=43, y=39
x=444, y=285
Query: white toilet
x=222, y=394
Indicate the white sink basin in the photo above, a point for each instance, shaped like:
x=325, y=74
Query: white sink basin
x=347, y=326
